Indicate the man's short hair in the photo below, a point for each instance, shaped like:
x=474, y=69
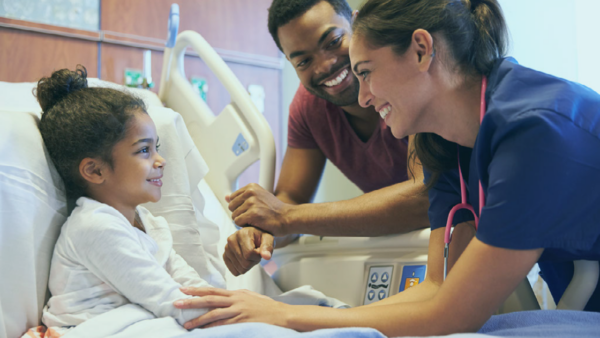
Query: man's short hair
x=283, y=11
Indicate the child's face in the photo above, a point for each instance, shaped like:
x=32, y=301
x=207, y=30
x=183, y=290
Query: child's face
x=137, y=166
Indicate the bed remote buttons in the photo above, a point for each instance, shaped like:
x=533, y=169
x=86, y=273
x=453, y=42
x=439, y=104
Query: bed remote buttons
x=378, y=283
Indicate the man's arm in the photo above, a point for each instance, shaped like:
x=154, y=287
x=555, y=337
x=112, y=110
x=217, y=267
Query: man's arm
x=300, y=174
x=399, y=208
x=391, y=210
x=299, y=178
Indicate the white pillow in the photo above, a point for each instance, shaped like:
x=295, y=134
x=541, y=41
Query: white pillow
x=32, y=209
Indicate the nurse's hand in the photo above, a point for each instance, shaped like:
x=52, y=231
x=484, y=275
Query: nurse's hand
x=254, y=206
x=228, y=307
x=245, y=248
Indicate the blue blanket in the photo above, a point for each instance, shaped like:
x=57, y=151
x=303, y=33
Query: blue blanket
x=260, y=330
x=550, y=324
x=544, y=323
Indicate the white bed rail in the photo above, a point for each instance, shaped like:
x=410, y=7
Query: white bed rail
x=229, y=142
x=582, y=286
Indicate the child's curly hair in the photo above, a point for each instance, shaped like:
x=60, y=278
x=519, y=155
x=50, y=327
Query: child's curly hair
x=80, y=122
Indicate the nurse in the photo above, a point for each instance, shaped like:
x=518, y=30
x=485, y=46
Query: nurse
x=531, y=169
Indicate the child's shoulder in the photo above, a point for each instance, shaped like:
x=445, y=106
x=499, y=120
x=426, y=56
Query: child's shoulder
x=150, y=221
x=91, y=215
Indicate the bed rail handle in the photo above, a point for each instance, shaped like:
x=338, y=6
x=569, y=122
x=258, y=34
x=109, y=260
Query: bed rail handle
x=238, y=95
x=581, y=287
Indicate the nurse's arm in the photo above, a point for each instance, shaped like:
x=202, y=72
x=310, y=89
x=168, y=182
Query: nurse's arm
x=462, y=235
x=478, y=284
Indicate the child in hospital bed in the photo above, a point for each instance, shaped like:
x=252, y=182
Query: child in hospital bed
x=111, y=251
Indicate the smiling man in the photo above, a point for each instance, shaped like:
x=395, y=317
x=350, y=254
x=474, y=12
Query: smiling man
x=326, y=122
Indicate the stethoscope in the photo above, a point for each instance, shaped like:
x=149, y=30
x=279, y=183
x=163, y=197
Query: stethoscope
x=463, y=191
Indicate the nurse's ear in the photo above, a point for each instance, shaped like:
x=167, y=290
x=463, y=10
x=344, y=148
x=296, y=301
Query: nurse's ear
x=422, y=47
x=354, y=14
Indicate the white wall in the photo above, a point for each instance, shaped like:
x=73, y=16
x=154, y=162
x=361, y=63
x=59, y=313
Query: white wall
x=554, y=36
x=588, y=49
x=290, y=85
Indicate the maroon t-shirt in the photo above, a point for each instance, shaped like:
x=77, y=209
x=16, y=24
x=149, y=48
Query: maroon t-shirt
x=315, y=123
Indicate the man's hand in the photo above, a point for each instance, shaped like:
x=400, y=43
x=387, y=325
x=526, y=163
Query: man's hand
x=254, y=206
x=245, y=248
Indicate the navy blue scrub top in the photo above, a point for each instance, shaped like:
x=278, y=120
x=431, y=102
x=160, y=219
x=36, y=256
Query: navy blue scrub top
x=538, y=156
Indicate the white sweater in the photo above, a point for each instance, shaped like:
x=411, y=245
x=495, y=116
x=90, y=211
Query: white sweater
x=101, y=262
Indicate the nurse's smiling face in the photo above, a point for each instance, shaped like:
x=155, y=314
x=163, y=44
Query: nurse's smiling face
x=316, y=43
x=395, y=85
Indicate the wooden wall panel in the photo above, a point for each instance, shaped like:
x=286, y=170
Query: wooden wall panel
x=115, y=59
x=27, y=56
x=238, y=25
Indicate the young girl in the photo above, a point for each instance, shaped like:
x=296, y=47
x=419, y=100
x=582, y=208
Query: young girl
x=111, y=251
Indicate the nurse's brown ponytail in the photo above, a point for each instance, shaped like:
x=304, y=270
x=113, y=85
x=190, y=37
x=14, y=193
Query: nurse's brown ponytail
x=490, y=38
x=476, y=36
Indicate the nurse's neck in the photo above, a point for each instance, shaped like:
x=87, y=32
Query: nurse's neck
x=458, y=113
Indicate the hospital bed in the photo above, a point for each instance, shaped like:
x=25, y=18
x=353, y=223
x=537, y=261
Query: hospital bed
x=209, y=151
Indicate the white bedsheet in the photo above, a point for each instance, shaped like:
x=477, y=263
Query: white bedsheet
x=134, y=321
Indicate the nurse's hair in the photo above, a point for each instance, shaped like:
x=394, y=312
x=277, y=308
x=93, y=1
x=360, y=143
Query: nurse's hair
x=282, y=12
x=80, y=122
x=475, y=36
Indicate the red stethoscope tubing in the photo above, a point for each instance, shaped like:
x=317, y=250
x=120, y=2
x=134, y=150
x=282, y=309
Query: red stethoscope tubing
x=463, y=191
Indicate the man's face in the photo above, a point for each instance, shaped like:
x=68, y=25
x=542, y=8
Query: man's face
x=316, y=44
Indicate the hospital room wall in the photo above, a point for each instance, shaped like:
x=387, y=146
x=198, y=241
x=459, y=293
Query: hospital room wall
x=236, y=29
x=554, y=36
x=25, y=55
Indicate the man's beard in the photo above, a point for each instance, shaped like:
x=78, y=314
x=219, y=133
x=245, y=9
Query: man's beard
x=348, y=97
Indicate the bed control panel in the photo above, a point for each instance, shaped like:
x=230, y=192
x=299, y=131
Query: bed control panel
x=240, y=145
x=411, y=275
x=378, y=283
